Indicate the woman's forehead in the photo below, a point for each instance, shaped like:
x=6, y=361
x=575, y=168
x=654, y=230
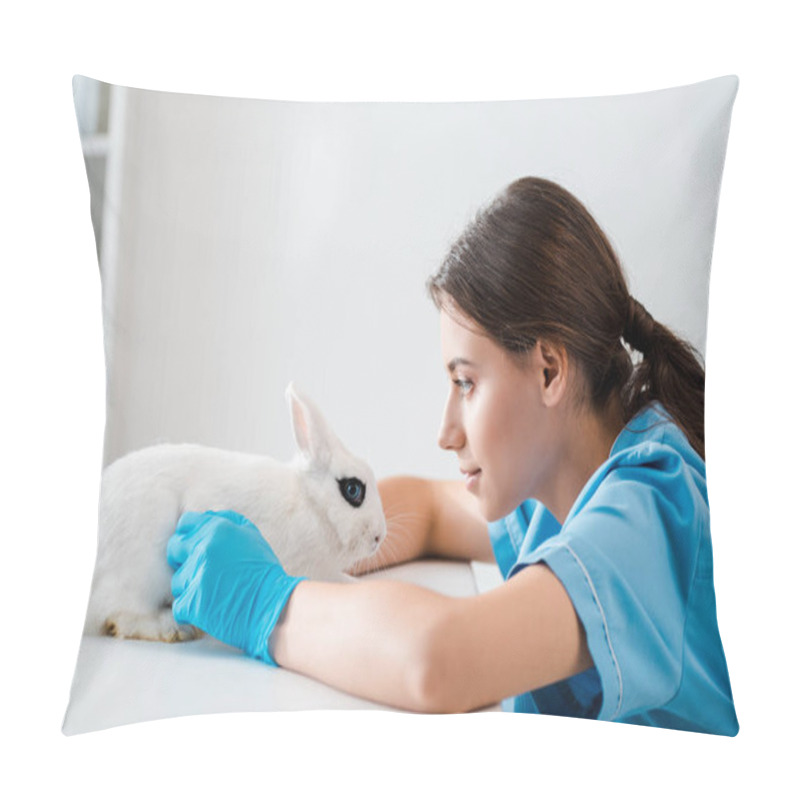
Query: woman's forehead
x=457, y=328
x=464, y=342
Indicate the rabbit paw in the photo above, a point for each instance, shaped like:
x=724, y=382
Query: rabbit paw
x=159, y=626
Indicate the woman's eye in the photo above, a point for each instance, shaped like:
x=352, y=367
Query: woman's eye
x=463, y=385
x=353, y=490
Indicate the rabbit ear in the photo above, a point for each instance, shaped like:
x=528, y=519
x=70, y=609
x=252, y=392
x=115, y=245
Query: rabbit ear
x=311, y=432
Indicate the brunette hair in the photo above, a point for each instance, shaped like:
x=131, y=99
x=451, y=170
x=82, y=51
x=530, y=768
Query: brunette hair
x=533, y=264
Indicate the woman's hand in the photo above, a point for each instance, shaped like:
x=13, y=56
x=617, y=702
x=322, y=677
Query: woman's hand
x=228, y=581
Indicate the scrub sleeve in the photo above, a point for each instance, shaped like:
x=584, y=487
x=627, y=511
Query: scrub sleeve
x=634, y=555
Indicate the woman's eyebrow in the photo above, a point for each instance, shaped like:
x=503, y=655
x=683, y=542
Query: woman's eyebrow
x=459, y=362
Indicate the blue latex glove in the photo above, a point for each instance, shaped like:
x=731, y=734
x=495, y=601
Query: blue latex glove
x=228, y=581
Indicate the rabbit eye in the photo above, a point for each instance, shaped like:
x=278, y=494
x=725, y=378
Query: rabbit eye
x=353, y=491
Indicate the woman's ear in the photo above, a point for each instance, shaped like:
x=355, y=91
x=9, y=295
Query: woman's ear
x=553, y=366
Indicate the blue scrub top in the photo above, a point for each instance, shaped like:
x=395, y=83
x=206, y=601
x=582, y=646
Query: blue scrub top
x=634, y=555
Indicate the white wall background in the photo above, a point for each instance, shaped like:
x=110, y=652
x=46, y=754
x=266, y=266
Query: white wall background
x=53, y=390
x=262, y=241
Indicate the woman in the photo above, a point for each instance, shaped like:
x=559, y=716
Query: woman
x=589, y=470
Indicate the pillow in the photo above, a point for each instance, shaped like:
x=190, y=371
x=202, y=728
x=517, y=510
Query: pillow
x=246, y=243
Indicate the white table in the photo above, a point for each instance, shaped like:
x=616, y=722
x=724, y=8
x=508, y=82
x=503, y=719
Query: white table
x=118, y=682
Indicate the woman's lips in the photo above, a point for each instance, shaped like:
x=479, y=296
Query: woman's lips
x=472, y=478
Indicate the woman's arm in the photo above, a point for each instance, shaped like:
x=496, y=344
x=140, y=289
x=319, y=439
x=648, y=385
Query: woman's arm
x=428, y=518
x=408, y=647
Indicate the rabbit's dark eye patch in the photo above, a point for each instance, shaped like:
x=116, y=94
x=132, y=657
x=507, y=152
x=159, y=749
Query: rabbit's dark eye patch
x=353, y=490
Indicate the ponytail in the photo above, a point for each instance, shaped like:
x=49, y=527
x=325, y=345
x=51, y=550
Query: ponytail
x=669, y=372
x=534, y=264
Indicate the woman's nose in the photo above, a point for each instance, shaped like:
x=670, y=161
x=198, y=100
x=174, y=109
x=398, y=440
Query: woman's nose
x=451, y=434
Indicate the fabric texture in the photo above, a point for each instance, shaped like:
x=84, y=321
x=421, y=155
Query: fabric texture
x=634, y=554
x=244, y=243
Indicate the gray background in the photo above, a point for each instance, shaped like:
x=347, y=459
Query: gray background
x=247, y=243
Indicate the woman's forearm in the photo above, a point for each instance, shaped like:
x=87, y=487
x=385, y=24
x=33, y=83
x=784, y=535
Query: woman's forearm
x=428, y=518
x=408, y=505
x=372, y=639
x=405, y=646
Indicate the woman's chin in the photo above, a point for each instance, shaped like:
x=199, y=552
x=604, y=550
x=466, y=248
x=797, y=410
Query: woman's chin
x=493, y=509
x=489, y=510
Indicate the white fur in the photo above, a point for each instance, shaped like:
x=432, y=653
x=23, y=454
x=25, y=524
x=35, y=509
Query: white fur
x=297, y=506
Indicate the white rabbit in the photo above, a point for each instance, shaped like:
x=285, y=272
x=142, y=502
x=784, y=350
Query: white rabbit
x=321, y=513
